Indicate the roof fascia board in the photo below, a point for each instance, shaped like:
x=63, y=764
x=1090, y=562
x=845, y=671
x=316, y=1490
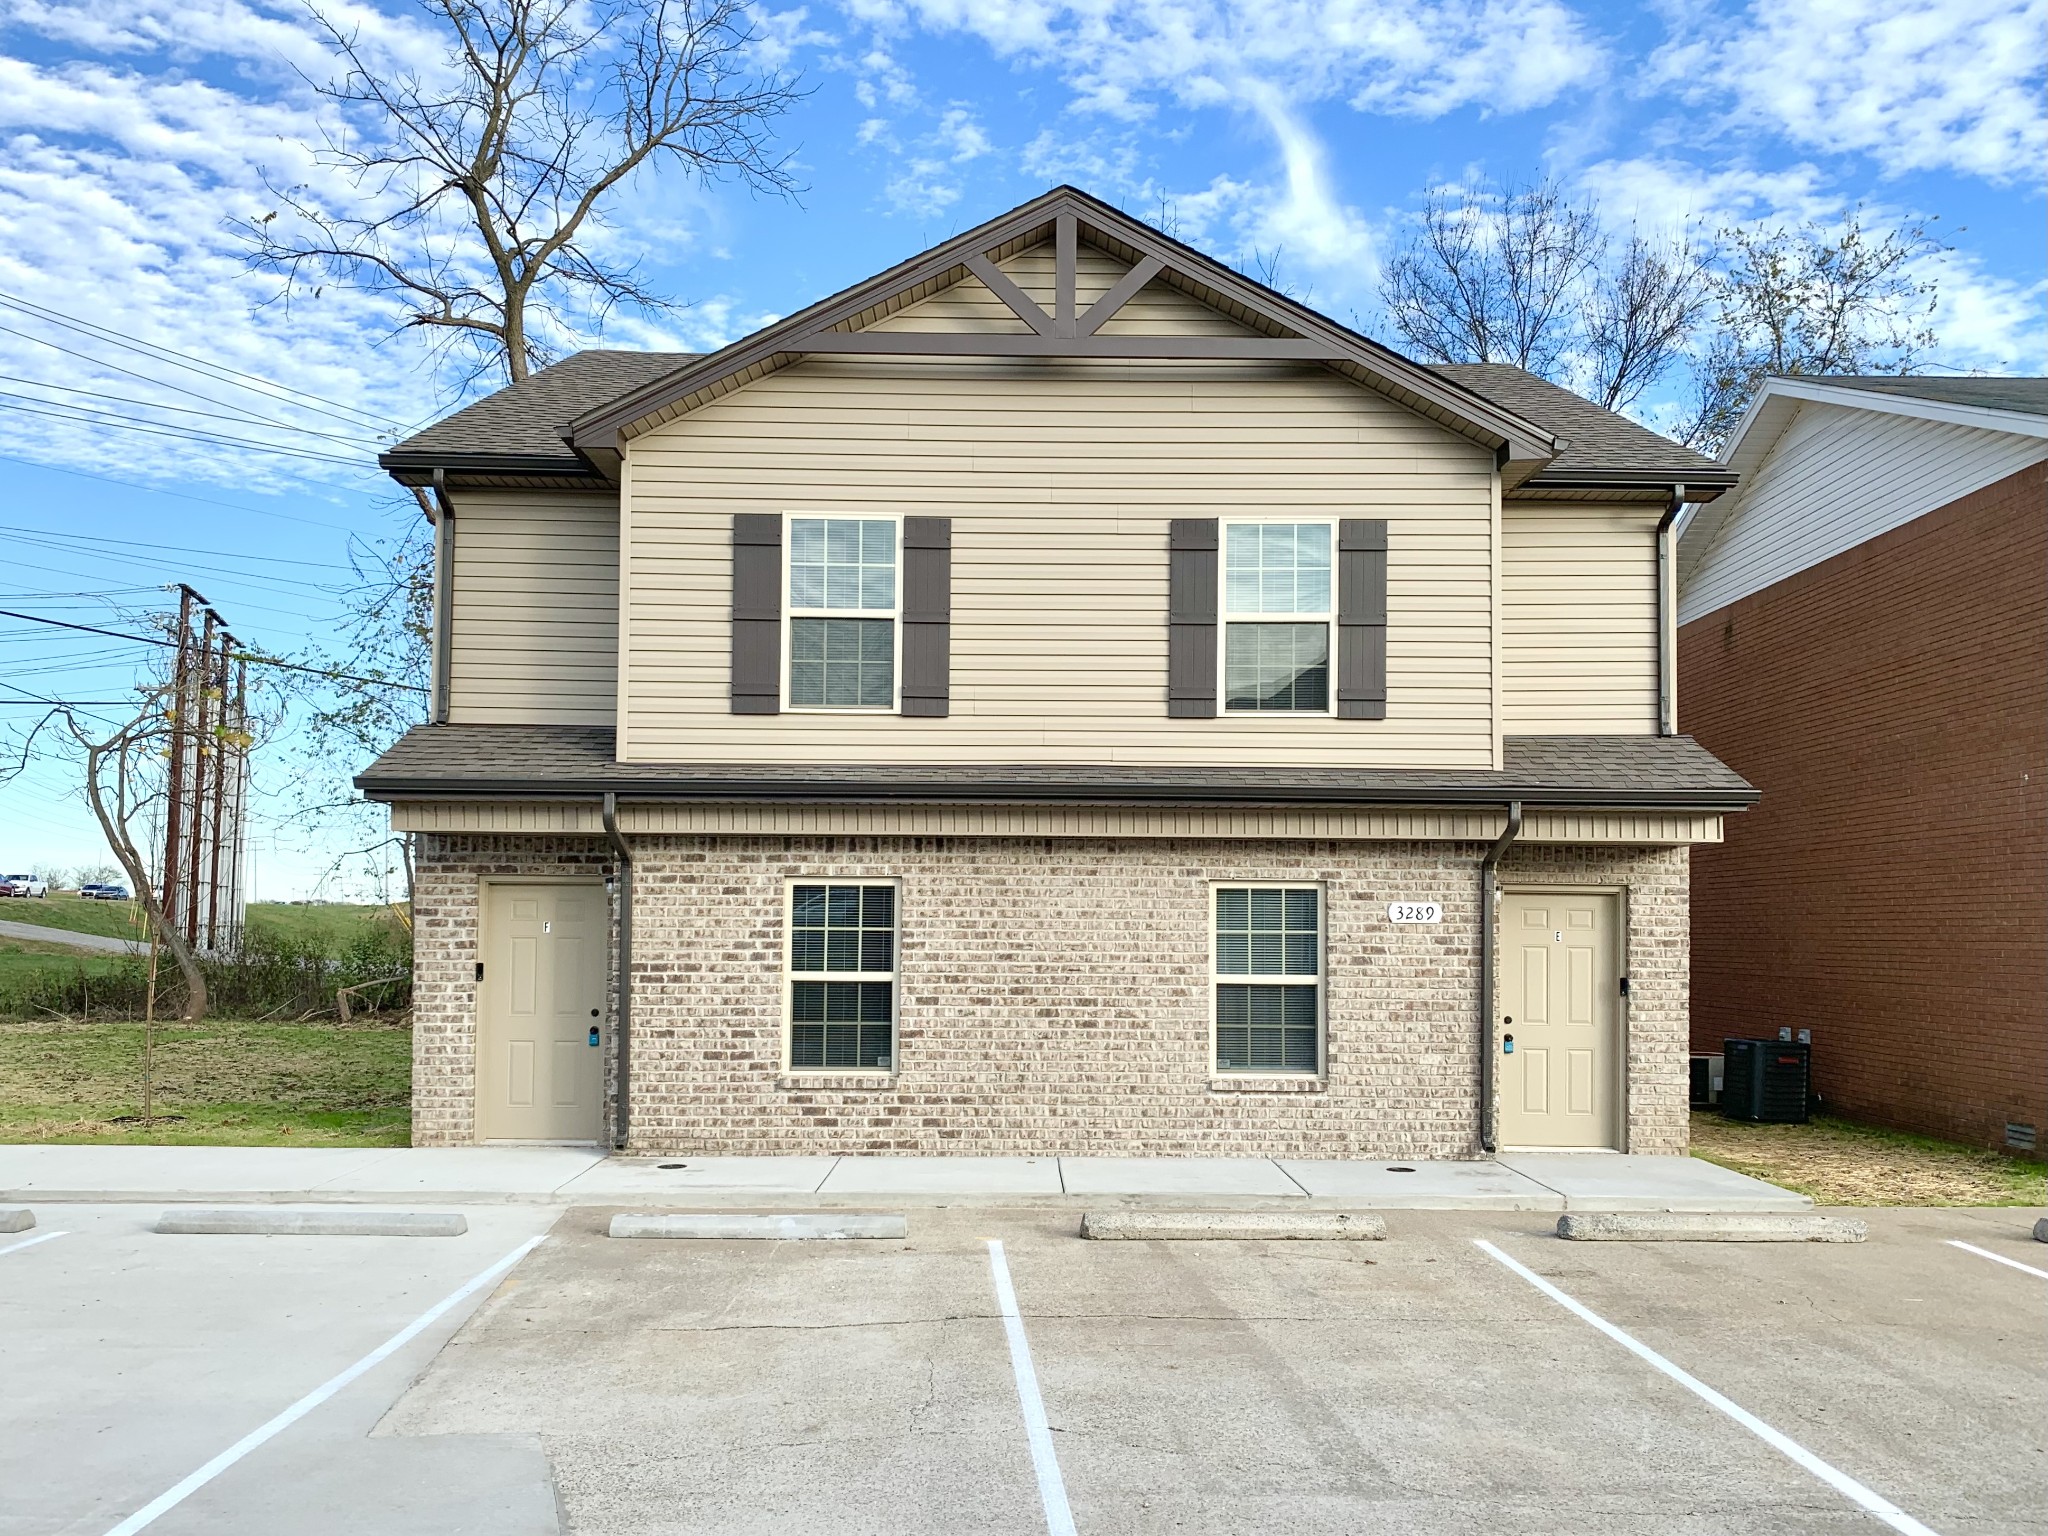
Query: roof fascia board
x=1989, y=418
x=1461, y=409
x=856, y=793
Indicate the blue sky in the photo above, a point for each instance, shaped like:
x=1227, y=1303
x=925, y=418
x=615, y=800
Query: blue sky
x=1287, y=132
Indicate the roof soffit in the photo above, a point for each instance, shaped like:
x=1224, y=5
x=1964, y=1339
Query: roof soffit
x=1284, y=329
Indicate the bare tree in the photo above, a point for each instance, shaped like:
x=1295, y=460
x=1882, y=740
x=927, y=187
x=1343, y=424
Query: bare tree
x=1813, y=300
x=121, y=784
x=1641, y=314
x=483, y=185
x=1494, y=275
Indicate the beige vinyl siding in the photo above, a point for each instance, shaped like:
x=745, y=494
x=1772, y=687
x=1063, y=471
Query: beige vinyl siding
x=536, y=621
x=1578, y=619
x=1061, y=478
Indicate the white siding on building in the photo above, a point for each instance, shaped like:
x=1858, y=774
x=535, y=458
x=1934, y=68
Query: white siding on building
x=1836, y=478
x=1579, y=619
x=536, y=622
x=1061, y=478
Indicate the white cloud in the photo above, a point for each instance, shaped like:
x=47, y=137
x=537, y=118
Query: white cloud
x=1988, y=323
x=1917, y=85
x=1420, y=59
x=962, y=135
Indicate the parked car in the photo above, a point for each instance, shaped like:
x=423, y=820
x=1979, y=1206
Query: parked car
x=25, y=885
x=105, y=893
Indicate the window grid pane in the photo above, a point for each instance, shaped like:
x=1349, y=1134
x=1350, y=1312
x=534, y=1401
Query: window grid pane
x=842, y=663
x=1277, y=568
x=842, y=563
x=1276, y=666
x=842, y=1025
x=1267, y=931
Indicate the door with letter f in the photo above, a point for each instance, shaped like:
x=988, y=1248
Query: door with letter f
x=1559, y=1034
x=541, y=1029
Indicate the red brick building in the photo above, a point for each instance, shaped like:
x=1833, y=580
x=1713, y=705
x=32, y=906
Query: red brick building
x=1864, y=637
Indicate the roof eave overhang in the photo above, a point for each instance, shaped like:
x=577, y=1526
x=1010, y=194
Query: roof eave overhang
x=854, y=792
x=1521, y=445
x=417, y=469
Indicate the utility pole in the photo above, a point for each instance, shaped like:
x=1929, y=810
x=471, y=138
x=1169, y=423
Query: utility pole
x=206, y=789
x=175, y=791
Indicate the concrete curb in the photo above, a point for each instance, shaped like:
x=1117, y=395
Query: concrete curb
x=2041, y=1230
x=257, y=1221
x=812, y=1227
x=16, y=1218
x=1703, y=1227
x=1233, y=1226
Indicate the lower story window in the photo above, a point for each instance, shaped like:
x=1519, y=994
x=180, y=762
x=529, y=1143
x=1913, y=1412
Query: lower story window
x=1267, y=978
x=842, y=977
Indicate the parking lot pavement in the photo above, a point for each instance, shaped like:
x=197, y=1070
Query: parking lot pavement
x=129, y=1360
x=1425, y=1384
x=1416, y=1385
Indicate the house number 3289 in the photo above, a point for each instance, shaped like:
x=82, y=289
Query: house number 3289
x=1415, y=912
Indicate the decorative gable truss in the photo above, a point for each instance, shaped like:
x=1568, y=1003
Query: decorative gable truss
x=1268, y=327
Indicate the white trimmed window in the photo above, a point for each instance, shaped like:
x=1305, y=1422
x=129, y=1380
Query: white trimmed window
x=1268, y=978
x=843, y=630
x=1278, y=610
x=841, y=977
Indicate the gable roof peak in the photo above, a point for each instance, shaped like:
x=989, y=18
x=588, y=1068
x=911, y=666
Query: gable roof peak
x=1287, y=329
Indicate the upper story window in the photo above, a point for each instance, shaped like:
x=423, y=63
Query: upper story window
x=1278, y=607
x=842, y=613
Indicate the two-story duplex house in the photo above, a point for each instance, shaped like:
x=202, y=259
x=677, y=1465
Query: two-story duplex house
x=1056, y=696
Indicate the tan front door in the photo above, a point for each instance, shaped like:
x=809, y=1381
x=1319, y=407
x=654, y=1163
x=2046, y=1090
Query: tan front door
x=538, y=1076
x=1560, y=1004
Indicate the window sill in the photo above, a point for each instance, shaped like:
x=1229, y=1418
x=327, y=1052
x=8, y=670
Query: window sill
x=871, y=1082
x=1252, y=1082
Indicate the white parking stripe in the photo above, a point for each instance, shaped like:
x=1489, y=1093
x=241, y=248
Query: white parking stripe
x=1840, y=1481
x=1986, y=1253
x=172, y=1497
x=30, y=1242
x=1052, y=1489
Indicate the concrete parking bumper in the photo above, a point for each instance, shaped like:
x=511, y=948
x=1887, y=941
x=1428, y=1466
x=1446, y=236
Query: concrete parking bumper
x=261, y=1221
x=1706, y=1227
x=819, y=1227
x=16, y=1218
x=1233, y=1226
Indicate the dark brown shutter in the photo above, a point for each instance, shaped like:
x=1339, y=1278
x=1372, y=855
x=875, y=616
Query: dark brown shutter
x=1191, y=618
x=1362, y=618
x=927, y=614
x=756, y=613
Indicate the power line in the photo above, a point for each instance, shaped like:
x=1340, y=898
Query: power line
x=88, y=417
x=209, y=501
x=175, y=549
x=250, y=656
x=240, y=418
x=219, y=371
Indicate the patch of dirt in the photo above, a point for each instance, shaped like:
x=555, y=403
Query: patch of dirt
x=1842, y=1164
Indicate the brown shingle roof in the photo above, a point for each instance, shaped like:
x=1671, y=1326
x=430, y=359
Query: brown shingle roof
x=1594, y=439
x=524, y=761
x=2029, y=396
x=522, y=423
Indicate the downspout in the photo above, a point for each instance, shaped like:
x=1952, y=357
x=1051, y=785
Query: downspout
x=444, y=594
x=1487, y=865
x=1667, y=618
x=622, y=1032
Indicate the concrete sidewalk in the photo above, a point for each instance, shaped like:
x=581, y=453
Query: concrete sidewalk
x=1549, y=1181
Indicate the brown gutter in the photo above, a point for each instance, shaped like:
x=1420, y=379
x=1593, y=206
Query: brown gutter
x=622, y=1018
x=1487, y=866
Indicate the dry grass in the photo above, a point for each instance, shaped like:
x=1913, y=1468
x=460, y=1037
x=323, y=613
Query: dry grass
x=221, y=1083
x=1842, y=1164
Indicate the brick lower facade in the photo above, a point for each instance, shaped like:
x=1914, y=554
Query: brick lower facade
x=1890, y=891
x=1053, y=995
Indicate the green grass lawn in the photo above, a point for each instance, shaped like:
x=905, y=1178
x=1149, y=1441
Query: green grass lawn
x=22, y=958
x=1841, y=1163
x=330, y=925
x=224, y=1083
